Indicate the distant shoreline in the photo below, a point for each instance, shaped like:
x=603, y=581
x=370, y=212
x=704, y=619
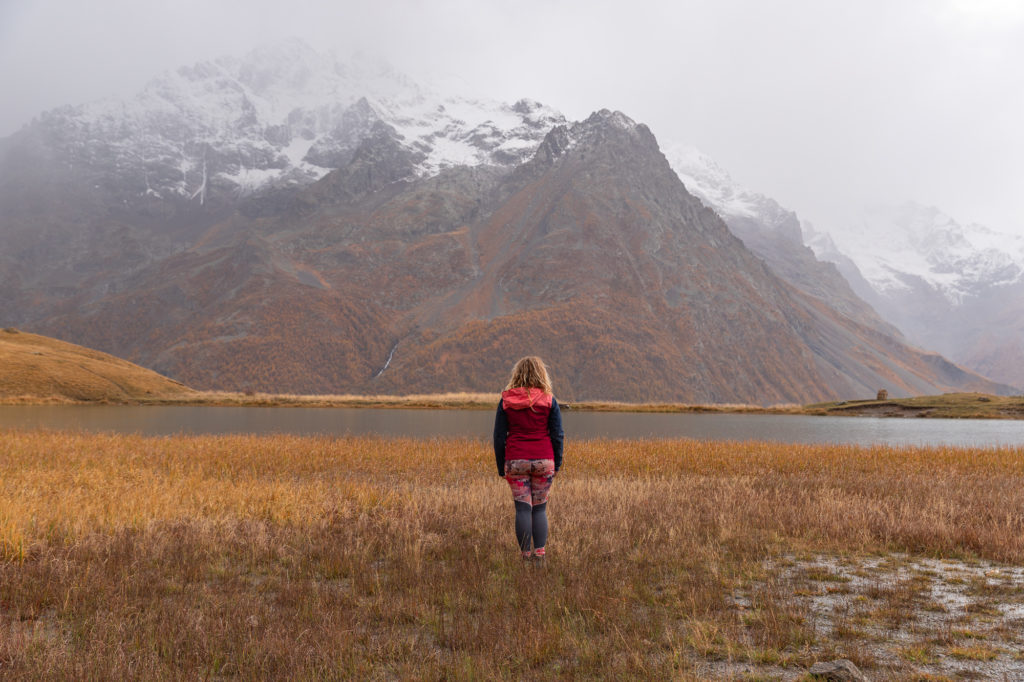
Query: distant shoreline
x=945, y=406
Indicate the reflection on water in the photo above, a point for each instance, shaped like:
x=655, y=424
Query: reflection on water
x=478, y=423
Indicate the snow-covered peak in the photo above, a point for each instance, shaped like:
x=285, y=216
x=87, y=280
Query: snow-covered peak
x=820, y=242
x=707, y=180
x=597, y=124
x=291, y=75
x=287, y=114
x=895, y=246
x=615, y=119
x=710, y=183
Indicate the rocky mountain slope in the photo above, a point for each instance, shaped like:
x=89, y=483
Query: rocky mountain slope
x=117, y=184
x=956, y=289
x=409, y=243
x=950, y=288
x=774, y=233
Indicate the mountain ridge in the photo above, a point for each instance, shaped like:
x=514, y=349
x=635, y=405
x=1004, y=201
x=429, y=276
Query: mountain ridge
x=956, y=289
x=909, y=270
x=388, y=275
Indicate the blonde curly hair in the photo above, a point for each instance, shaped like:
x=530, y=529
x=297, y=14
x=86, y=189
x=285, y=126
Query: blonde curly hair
x=530, y=372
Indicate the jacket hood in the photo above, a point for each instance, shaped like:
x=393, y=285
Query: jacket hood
x=523, y=398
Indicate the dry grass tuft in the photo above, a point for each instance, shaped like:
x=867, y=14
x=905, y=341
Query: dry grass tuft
x=163, y=558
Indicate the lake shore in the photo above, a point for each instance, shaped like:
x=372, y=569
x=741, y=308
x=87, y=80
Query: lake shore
x=315, y=557
x=945, y=406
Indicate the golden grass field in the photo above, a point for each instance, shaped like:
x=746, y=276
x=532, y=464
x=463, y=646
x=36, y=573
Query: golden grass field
x=368, y=558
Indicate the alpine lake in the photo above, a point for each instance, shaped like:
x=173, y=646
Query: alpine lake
x=428, y=423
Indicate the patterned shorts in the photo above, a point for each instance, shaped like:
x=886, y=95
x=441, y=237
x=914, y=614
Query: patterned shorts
x=530, y=479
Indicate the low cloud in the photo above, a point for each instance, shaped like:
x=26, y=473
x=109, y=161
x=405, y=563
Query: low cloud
x=821, y=105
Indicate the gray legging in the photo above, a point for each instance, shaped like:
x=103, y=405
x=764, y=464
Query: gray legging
x=531, y=525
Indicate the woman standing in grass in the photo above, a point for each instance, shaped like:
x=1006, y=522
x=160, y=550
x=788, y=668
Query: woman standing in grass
x=528, y=449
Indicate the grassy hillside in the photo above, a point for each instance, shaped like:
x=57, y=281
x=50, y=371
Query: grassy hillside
x=37, y=368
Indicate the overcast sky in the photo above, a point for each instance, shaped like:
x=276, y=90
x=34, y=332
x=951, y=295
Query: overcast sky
x=823, y=105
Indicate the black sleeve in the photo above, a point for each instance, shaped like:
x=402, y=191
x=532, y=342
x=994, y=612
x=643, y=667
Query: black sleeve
x=555, y=432
x=500, y=434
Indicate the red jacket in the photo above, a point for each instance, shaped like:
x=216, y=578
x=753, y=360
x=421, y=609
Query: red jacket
x=528, y=426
